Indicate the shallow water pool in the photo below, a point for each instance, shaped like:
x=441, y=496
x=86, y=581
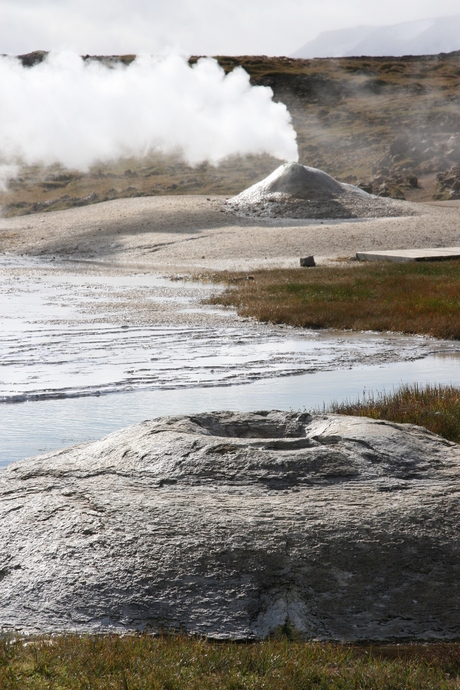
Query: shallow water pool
x=40, y=426
x=85, y=351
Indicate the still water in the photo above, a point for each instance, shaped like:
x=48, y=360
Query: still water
x=39, y=426
x=85, y=351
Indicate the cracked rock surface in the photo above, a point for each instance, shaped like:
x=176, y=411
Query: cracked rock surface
x=232, y=525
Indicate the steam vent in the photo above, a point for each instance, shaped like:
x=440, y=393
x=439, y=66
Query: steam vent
x=236, y=526
x=297, y=191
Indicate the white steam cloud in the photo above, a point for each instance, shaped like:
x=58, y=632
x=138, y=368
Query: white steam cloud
x=76, y=113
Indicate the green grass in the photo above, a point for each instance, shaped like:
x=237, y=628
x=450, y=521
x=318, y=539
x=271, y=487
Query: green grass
x=437, y=408
x=170, y=663
x=418, y=298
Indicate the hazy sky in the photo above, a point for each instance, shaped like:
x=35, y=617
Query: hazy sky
x=232, y=27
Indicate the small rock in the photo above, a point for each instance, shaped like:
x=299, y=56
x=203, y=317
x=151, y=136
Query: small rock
x=365, y=186
x=307, y=261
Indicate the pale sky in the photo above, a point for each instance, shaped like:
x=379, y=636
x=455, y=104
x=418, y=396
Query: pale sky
x=205, y=27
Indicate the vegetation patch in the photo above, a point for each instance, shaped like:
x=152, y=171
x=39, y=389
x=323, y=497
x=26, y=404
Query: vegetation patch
x=417, y=298
x=437, y=408
x=167, y=663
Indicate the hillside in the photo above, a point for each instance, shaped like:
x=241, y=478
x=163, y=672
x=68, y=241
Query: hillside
x=419, y=37
x=390, y=124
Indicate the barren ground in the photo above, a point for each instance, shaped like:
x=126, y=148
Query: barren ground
x=195, y=233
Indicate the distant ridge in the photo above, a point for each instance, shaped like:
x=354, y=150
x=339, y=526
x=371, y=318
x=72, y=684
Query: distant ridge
x=422, y=37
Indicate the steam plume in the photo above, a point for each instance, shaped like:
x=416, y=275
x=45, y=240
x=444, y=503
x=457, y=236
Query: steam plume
x=75, y=113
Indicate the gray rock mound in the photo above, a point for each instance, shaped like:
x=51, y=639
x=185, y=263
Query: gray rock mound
x=297, y=191
x=299, y=181
x=234, y=526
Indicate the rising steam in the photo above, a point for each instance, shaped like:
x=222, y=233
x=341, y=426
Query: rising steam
x=76, y=113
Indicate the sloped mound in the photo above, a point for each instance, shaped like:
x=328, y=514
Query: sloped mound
x=298, y=181
x=297, y=191
x=234, y=525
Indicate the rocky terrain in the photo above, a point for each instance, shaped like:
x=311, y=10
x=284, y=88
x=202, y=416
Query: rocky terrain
x=237, y=526
x=448, y=185
x=390, y=125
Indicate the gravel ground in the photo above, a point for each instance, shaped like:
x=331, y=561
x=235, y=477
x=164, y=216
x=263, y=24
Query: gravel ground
x=191, y=233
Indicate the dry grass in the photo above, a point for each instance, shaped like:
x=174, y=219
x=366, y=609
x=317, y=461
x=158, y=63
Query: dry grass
x=143, y=662
x=421, y=298
x=437, y=408
x=54, y=189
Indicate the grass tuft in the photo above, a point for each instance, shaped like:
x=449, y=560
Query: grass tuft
x=435, y=407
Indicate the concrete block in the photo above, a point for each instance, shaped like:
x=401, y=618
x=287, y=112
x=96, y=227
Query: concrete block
x=406, y=255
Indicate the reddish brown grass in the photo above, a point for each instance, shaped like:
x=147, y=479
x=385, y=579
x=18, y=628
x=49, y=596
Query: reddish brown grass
x=419, y=298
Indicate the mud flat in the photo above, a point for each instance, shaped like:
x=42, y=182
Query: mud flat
x=194, y=233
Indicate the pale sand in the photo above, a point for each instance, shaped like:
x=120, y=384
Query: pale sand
x=193, y=233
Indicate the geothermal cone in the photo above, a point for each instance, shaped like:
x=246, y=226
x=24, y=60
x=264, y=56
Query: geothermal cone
x=237, y=526
x=297, y=181
x=298, y=191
